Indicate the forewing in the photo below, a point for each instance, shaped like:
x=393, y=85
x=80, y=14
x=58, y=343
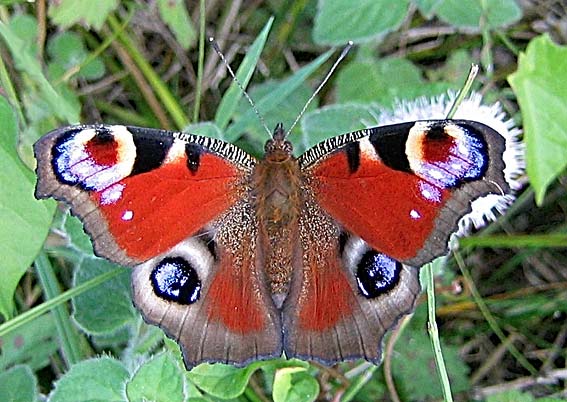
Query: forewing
x=139, y=191
x=403, y=188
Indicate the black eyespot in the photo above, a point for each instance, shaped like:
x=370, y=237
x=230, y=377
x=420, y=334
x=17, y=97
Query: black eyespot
x=377, y=274
x=174, y=279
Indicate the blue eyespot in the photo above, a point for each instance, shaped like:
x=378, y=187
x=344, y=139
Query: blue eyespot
x=174, y=279
x=377, y=274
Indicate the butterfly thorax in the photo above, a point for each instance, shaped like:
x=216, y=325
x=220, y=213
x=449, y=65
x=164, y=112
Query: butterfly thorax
x=277, y=202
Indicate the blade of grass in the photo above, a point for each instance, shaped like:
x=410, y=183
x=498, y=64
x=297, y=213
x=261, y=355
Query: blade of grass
x=434, y=335
x=202, y=16
x=489, y=317
x=358, y=383
x=507, y=241
x=231, y=97
x=68, y=335
x=278, y=95
x=169, y=102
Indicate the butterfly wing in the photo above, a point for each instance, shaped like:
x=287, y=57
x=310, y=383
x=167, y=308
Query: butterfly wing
x=383, y=201
x=173, y=206
x=404, y=187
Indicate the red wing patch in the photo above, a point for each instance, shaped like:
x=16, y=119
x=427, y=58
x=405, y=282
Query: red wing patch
x=327, y=296
x=149, y=213
x=233, y=298
x=394, y=211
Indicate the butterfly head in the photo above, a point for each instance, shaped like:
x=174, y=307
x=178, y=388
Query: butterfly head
x=278, y=149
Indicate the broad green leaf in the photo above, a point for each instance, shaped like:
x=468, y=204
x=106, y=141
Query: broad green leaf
x=226, y=382
x=25, y=28
x=414, y=367
x=76, y=232
x=67, y=50
x=158, y=380
x=338, y=21
x=427, y=7
x=294, y=384
x=541, y=88
x=510, y=396
x=97, y=380
x=27, y=62
x=32, y=343
x=174, y=14
x=234, y=93
x=25, y=221
x=383, y=82
x=18, y=385
x=206, y=128
x=275, y=98
x=68, y=12
x=106, y=307
x=285, y=113
x=334, y=120
x=221, y=380
x=468, y=13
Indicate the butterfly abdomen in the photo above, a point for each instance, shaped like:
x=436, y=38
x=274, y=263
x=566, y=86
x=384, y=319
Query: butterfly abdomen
x=277, y=203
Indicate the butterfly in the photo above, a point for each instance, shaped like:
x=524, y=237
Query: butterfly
x=240, y=259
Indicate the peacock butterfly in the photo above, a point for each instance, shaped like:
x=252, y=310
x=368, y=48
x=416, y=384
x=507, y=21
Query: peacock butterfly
x=241, y=259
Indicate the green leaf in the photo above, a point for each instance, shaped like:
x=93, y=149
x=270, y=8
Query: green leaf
x=32, y=343
x=79, y=239
x=333, y=120
x=294, y=384
x=25, y=28
x=158, y=380
x=206, y=128
x=427, y=7
x=26, y=62
x=539, y=83
x=468, y=13
x=25, y=221
x=97, y=380
x=174, y=14
x=510, y=396
x=234, y=93
x=221, y=380
x=285, y=113
x=338, y=21
x=107, y=307
x=67, y=50
x=18, y=385
x=275, y=98
x=68, y=12
x=383, y=82
x=227, y=382
x=414, y=368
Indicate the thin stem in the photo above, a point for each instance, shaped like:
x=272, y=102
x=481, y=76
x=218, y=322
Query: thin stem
x=464, y=92
x=434, y=335
x=202, y=16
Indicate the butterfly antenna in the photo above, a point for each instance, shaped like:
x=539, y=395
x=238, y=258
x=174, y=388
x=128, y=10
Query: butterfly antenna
x=322, y=84
x=216, y=47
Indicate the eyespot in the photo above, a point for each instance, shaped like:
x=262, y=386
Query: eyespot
x=376, y=274
x=174, y=279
